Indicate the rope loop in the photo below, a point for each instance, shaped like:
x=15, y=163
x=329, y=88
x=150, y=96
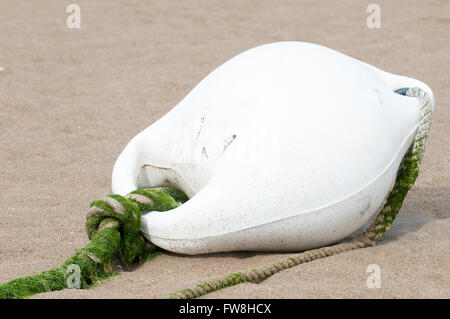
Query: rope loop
x=124, y=213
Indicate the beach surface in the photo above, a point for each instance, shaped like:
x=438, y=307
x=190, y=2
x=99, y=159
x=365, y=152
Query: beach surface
x=71, y=99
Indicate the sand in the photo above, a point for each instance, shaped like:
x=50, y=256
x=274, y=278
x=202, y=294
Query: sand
x=70, y=100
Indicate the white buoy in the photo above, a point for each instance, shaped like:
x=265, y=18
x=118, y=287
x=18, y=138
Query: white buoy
x=287, y=146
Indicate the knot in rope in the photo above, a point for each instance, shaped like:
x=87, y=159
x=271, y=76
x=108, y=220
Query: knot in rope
x=123, y=214
x=113, y=227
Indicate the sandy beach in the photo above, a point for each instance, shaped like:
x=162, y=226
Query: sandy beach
x=71, y=99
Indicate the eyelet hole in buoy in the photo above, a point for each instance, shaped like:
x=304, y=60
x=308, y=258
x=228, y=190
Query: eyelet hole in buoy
x=151, y=176
x=401, y=91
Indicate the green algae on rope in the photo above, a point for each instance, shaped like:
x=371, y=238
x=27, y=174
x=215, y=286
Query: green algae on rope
x=113, y=227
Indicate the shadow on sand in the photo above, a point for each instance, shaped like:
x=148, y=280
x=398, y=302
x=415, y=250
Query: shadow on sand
x=422, y=205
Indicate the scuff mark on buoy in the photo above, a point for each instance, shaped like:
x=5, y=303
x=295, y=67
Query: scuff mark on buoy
x=228, y=142
x=204, y=153
x=202, y=121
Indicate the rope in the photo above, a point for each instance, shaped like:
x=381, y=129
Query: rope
x=113, y=227
x=406, y=176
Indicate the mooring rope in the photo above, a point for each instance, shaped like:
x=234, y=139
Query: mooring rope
x=113, y=227
x=406, y=176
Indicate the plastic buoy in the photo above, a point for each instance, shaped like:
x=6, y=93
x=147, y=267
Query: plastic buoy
x=287, y=146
